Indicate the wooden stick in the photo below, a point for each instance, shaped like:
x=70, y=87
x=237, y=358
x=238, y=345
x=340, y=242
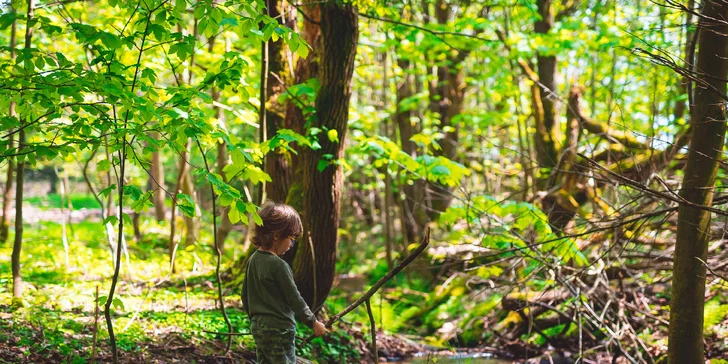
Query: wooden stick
x=374, y=332
x=378, y=285
x=96, y=325
x=228, y=333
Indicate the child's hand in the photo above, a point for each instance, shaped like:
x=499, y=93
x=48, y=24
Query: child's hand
x=319, y=329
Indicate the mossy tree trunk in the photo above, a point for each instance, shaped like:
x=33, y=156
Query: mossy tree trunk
x=287, y=169
x=322, y=185
x=708, y=118
x=306, y=69
x=275, y=77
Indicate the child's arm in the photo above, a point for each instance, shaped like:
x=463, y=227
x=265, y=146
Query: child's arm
x=293, y=297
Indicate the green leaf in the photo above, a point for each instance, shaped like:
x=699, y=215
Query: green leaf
x=103, y=165
x=111, y=41
x=118, y=303
x=321, y=165
x=226, y=199
x=440, y=171
x=132, y=191
x=7, y=19
x=233, y=215
x=180, y=5
x=199, y=11
x=186, y=204
x=106, y=191
x=102, y=300
x=303, y=51
x=216, y=15
x=113, y=220
x=126, y=218
x=257, y=219
x=242, y=209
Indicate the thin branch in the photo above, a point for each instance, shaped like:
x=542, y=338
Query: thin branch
x=369, y=293
x=436, y=33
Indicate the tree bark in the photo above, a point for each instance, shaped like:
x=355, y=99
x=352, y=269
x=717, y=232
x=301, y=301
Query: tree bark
x=19, y=176
x=8, y=192
x=708, y=119
x=274, y=79
x=192, y=226
x=314, y=269
x=290, y=173
x=543, y=99
x=306, y=68
x=182, y=169
x=157, y=176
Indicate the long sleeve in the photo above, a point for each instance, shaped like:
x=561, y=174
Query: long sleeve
x=293, y=297
x=244, y=294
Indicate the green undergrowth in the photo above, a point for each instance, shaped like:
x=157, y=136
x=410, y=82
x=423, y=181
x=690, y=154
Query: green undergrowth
x=53, y=200
x=55, y=317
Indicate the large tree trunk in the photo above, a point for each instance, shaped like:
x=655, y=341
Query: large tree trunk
x=306, y=68
x=708, y=118
x=322, y=189
x=275, y=77
x=290, y=173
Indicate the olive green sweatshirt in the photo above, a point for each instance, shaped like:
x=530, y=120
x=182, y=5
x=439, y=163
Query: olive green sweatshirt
x=270, y=295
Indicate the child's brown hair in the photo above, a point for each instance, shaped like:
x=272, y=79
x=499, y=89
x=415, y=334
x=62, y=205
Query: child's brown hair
x=279, y=221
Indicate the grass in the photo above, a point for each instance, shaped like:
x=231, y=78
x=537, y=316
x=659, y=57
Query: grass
x=78, y=201
x=60, y=298
x=54, y=321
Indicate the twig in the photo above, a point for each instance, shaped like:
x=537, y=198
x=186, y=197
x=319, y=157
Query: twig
x=374, y=331
x=218, y=253
x=96, y=324
x=378, y=285
x=679, y=199
x=227, y=333
x=721, y=276
x=436, y=33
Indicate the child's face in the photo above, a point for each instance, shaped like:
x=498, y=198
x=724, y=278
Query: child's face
x=283, y=245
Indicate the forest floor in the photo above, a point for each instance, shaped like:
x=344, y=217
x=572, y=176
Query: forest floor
x=163, y=318
x=158, y=317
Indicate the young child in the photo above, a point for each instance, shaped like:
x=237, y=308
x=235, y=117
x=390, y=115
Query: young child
x=270, y=296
